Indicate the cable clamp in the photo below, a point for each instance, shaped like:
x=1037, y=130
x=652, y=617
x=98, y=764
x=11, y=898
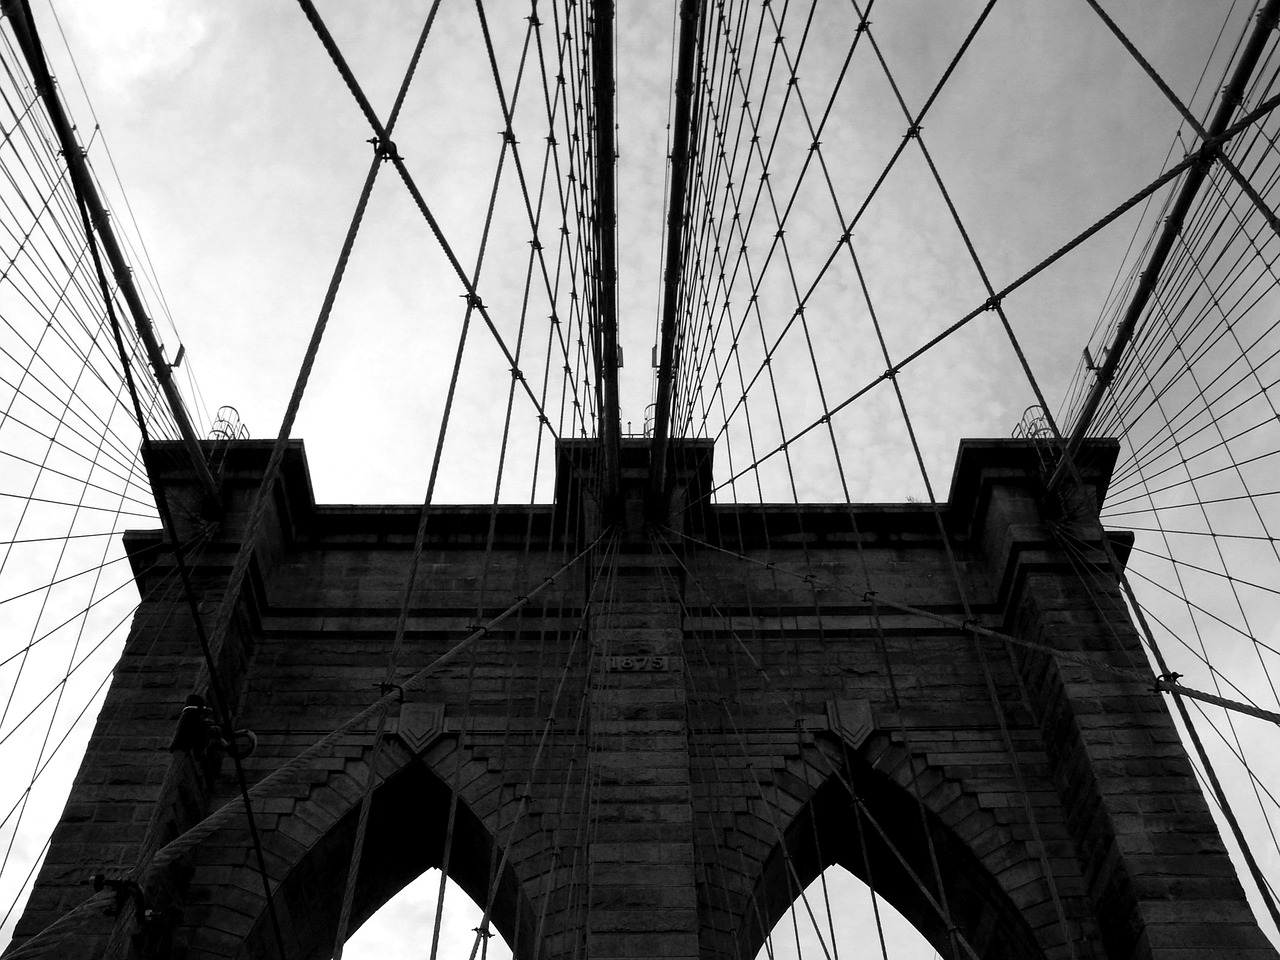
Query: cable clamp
x=383, y=148
x=1206, y=157
x=124, y=889
x=913, y=132
x=473, y=300
x=993, y=302
x=869, y=596
x=385, y=688
x=1172, y=677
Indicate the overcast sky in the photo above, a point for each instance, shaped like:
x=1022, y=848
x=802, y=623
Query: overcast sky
x=242, y=153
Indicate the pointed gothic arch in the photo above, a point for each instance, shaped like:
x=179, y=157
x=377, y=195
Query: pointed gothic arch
x=860, y=819
x=406, y=837
x=684, y=811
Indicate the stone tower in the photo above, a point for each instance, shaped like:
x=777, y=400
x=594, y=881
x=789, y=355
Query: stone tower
x=655, y=753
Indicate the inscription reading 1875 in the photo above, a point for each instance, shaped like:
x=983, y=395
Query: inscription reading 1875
x=638, y=664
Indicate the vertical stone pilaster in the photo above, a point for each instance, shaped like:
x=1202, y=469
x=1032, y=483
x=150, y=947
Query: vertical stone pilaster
x=1156, y=869
x=642, y=894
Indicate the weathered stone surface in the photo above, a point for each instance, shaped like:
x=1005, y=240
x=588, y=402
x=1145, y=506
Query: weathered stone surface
x=656, y=753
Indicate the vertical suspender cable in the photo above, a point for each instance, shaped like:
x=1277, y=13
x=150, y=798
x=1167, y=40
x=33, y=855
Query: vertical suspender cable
x=681, y=135
x=1232, y=97
x=607, y=248
x=24, y=28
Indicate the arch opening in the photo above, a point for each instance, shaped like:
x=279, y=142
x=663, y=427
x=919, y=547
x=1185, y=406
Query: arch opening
x=404, y=925
x=405, y=841
x=843, y=916
x=882, y=842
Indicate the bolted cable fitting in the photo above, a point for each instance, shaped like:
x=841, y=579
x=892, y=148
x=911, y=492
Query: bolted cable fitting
x=383, y=148
x=1171, y=677
x=199, y=734
x=124, y=889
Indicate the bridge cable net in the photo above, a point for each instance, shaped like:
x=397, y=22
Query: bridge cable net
x=830, y=268
x=552, y=371
x=72, y=478
x=771, y=320
x=1193, y=401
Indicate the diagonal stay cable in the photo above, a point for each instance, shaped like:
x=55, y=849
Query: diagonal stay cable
x=262, y=497
x=1187, y=115
x=235, y=581
x=353, y=867
x=849, y=225
x=387, y=150
x=166, y=516
x=1196, y=156
x=183, y=844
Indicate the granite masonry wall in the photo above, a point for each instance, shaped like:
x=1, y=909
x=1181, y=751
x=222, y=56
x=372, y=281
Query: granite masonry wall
x=657, y=753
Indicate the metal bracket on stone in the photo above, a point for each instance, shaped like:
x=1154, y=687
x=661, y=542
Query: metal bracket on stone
x=850, y=720
x=419, y=725
x=123, y=889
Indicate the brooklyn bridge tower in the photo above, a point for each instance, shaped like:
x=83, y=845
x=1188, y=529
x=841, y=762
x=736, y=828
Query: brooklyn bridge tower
x=639, y=714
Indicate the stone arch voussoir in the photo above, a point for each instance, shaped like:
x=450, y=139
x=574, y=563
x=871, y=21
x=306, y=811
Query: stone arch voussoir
x=307, y=830
x=861, y=812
